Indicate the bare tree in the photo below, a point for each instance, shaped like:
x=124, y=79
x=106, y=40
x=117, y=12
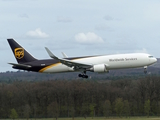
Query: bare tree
x=107, y=108
x=27, y=111
x=53, y=110
x=126, y=108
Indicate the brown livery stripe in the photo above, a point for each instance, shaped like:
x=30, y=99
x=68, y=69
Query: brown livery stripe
x=45, y=68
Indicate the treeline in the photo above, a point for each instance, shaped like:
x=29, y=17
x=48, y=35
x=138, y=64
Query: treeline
x=62, y=98
x=135, y=73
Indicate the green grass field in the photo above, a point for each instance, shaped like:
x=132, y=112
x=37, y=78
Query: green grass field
x=96, y=118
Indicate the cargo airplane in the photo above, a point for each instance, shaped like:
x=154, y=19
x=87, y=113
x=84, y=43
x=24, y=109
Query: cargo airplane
x=98, y=63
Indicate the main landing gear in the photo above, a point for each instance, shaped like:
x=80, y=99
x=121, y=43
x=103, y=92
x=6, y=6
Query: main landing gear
x=83, y=75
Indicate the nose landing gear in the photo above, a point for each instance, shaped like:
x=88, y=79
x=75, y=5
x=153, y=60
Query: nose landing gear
x=145, y=69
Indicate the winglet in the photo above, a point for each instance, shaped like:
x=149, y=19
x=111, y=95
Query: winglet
x=51, y=54
x=64, y=55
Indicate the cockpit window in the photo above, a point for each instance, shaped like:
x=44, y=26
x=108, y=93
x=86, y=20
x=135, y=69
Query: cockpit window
x=150, y=56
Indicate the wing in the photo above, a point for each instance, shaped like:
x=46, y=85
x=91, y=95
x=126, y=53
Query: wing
x=69, y=63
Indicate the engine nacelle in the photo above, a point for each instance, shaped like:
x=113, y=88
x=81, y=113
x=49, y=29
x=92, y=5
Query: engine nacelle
x=100, y=68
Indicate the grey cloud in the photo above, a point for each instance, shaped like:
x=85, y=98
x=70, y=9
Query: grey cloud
x=64, y=19
x=103, y=27
x=108, y=18
x=24, y=15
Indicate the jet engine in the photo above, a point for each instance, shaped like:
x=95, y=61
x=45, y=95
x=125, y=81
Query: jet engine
x=100, y=68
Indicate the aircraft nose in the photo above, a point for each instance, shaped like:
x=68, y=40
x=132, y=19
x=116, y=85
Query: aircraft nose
x=155, y=59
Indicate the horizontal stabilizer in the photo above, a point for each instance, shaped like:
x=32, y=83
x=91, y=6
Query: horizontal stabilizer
x=20, y=65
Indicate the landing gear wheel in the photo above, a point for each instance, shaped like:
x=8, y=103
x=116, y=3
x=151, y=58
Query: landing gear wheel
x=83, y=75
x=80, y=75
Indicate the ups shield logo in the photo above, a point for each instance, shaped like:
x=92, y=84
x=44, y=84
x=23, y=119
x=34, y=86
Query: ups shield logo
x=19, y=53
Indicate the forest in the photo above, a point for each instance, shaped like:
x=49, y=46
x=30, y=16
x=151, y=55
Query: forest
x=81, y=98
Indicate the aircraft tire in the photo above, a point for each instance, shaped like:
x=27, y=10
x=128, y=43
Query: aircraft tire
x=80, y=75
x=83, y=76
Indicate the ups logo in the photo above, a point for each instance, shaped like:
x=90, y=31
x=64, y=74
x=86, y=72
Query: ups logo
x=19, y=53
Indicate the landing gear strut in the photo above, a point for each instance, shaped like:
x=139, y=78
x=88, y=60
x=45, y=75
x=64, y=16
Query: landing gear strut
x=145, y=69
x=83, y=75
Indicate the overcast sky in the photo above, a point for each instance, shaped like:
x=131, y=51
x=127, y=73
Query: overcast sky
x=79, y=27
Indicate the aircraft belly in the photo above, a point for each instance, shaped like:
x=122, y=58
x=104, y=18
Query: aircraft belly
x=58, y=68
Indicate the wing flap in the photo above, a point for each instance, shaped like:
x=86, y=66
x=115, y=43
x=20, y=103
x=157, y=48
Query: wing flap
x=74, y=64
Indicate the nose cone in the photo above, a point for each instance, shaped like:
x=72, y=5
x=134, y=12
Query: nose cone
x=154, y=60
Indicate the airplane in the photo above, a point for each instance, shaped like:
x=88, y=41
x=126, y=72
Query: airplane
x=98, y=63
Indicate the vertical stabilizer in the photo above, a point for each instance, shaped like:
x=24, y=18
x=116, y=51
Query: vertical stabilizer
x=21, y=55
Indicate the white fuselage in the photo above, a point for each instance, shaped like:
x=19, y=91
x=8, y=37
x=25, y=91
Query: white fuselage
x=117, y=61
